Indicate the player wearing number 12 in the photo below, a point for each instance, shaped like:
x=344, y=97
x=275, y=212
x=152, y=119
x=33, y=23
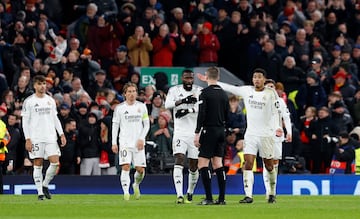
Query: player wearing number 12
x=40, y=124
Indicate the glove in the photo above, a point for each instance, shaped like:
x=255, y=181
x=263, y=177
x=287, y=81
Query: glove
x=166, y=40
x=189, y=99
x=180, y=113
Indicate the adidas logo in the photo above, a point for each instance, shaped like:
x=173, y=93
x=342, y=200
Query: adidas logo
x=36, y=105
x=178, y=182
x=251, y=96
x=181, y=95
x=126, y=112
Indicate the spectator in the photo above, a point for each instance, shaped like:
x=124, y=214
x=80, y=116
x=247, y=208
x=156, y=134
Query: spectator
x=104, y=38
x=100, y=83
x=344, y=155
x=88, y=141
x=304, y=129
x=187, y=47
x=163, y=48
x=70, y=154
x=107, y=156
x=139, y=45
x=13, y=145
x=321, y=133
x=270, y=61
x=209, y=46
x=341, y=117
x=310, y=94
x=291, y=75
x=161, y=134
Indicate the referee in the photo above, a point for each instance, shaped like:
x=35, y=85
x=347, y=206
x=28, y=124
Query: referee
x=213, y=110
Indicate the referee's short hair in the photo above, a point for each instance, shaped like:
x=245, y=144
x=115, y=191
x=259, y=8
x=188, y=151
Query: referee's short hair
x=260, y=70
x=213, y=73
x=39, y=78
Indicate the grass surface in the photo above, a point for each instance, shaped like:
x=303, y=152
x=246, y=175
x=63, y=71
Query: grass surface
x=164, y=207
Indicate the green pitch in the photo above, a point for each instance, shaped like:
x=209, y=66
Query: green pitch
x=164, y=207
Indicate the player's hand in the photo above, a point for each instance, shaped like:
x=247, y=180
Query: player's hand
x=189, y=99
x=201, y=77
x=63, y=140
x=288, y=138
x=279, y=132
x=196, y=140
x=28, y=145
x=115, y=148
x=181, y=112
x=140, y=144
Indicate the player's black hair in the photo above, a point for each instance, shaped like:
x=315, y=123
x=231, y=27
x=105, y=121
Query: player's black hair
x=260, y=70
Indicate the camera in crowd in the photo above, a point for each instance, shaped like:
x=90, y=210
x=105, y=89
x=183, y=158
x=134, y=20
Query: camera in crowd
x=293, y=165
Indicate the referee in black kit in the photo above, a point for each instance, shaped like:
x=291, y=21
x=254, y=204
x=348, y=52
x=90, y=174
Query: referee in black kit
x=213, y=110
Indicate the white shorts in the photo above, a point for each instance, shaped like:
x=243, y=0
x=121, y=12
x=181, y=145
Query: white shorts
x=183, y=144
x=264, y=145
x=131, y=155
x=44, y=150
x=278, y=150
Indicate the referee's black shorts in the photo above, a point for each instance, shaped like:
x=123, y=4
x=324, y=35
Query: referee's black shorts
x=212, y=141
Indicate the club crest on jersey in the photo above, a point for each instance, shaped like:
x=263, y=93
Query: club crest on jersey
x=139, y=110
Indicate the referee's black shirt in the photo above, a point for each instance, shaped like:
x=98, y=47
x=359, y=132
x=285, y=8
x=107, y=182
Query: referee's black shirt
x=213, y=108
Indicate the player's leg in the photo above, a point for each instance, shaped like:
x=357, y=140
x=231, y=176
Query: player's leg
x=179, y=151
x=37, y=153
x=251, y=147
x=193, y=177
x=266, y=151
x=178, y=176
x=140, y=164
x=221, y=178
x=206, y=152
x=203, y=165
x=125, y=157
x=266, y=174
x=218, y=167
x=52, y=152
x=248, y=178
x=38, y=177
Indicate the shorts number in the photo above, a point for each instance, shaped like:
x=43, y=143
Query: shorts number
x=35, y=147
x=177, y=143
x=123, y=153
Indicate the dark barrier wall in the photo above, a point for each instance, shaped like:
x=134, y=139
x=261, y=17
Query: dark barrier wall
x=163, y=184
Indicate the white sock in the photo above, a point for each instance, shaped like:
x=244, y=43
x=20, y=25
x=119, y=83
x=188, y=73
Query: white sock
x=192, y=180
x=138, y=178
x=125, y=181
x=266, y=178
x=274, y=180
x=178, y=179
x=38, y=179
x=248, y=178
x=50, y=173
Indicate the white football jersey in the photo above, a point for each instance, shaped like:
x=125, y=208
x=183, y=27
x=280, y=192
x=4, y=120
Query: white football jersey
x=39, y=119
x=261, y=108
x=185, y=125
x=285, y=116
x=133, y=122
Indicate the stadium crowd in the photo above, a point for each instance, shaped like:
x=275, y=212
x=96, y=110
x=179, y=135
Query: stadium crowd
x=88, y=50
